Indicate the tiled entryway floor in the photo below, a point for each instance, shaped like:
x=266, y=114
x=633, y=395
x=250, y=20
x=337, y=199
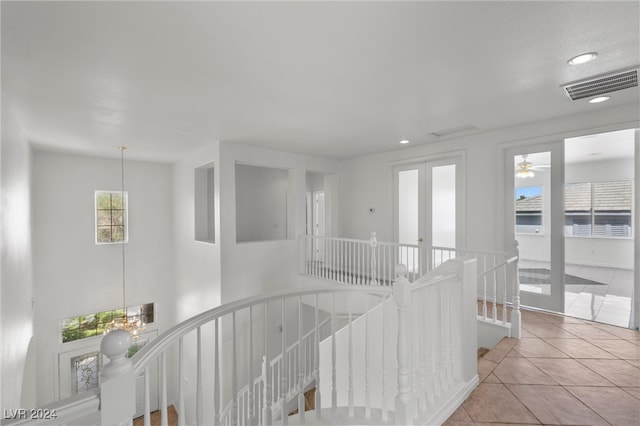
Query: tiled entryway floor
x=563, y=371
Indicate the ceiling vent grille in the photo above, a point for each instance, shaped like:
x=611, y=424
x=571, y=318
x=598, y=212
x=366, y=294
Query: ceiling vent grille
x=601, y=85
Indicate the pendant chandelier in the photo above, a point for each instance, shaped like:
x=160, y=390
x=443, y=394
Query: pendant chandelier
x=134, y=324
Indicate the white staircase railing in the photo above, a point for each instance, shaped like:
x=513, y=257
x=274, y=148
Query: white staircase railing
x=358, y=262
x=294, y=351
x=226, y=340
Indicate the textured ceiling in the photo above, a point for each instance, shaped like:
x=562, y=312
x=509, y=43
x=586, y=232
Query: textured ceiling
x=324, y=78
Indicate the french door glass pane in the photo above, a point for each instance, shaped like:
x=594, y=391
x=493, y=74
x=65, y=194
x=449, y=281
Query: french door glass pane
x=408, y=206
x=532, y=220
x=444, y=205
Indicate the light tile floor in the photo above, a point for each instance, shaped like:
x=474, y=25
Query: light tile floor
x=563, y=371
x=608, y=302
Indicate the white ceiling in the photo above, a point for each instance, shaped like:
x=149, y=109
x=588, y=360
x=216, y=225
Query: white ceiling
x=326, y=78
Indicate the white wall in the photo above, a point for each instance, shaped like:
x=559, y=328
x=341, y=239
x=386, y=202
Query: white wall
x=196, y=263
x=73, y=275
x=17, y=389
x=250, y=268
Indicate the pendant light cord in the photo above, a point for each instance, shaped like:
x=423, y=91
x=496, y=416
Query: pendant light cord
x=124, y=300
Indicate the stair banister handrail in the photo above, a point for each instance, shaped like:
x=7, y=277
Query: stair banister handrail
x=66, y=410
x=158, y=346
x=500, y=265
x=433, y=280
x=148, y=352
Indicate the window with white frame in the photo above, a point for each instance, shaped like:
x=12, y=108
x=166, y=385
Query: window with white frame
x=598, y=209
x=111, y=217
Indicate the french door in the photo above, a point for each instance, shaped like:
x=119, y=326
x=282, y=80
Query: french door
x=534, y=217
x=429, y=206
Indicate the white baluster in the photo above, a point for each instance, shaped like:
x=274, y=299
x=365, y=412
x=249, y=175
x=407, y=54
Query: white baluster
x=367, y=396
x=436, y=339
x=301, y=369
x=251, y=396
x=351, y=259
x=216, y=385
x=449, y=330
x=334, y=394
x=234, y=372
x=317, y=362
x=442, y=320
x=504, y=293
x=385, y=413
x=427, y=326
x=419, y=337
x=147, y=402
x=199, y=402
x=164, y=415
x=484, y=297
x=284, y=385
x=339, y=261
x=516, y=319
x=182, y=413
x=386, y=278
x=334, y=262
x=351, y=412
x=373, y=242
x=359, y=268
x=266, y=372
x=405, y=398
x=494, y=310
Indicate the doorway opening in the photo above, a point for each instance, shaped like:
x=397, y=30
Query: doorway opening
x=572, y=213
x=598, y=226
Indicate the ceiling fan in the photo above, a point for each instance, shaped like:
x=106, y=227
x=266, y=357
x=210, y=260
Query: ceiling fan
x=524, y=169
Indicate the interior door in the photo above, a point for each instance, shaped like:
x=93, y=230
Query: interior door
x=429, y=200
x=534, y=192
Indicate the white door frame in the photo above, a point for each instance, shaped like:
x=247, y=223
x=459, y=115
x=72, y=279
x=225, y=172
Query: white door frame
x=459, y=159
x=554, y=301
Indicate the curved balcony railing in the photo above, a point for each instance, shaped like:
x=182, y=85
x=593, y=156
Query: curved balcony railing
x=409, y=358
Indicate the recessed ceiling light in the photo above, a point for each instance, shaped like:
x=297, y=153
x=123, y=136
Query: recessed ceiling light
x=599, y=99
x=404, y=142
x=583, y=58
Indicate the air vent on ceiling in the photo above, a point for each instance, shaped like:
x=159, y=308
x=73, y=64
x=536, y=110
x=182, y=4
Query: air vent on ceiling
x=452, y=130
x=601, y=85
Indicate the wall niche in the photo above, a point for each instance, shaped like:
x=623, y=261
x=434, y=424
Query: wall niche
x=204, y=195
x=261, y=203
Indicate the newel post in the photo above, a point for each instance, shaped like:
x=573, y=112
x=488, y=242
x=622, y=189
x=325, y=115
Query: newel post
x=516, y=317
x=373, y=242
x=405, y=399
x=117, y=380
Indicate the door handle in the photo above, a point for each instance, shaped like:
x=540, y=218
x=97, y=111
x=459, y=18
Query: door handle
x=420, y=240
